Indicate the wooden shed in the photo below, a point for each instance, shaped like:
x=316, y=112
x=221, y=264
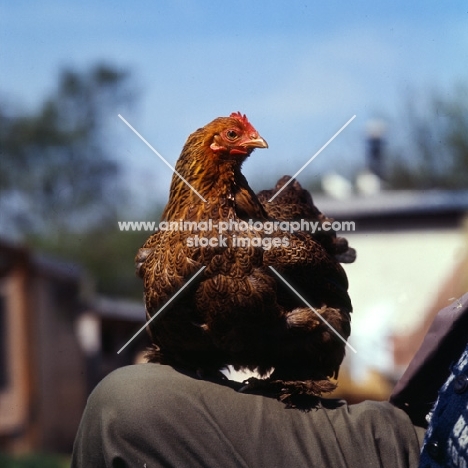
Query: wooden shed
x=57, y=340
x=42, y=390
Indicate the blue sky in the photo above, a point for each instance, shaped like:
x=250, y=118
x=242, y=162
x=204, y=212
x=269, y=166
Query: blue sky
x=298, y=69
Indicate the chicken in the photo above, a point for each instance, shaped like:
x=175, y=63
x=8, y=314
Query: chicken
x=293, y=203
x=237, y=310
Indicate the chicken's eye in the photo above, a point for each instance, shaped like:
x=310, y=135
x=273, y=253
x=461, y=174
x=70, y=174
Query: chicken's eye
x=231, y=134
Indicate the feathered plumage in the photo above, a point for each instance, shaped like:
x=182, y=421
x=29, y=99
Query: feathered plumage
x=237, y=311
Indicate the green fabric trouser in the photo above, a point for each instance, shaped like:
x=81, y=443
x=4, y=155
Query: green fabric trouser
x=150, y=415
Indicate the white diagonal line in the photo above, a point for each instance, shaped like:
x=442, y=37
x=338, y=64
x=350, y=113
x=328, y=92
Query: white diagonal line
x=161, y=309
x=314, y=310
x=312, y=158
x=159, y=155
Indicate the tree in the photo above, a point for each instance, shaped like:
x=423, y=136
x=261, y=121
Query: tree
x=437, y=153
x=56, y=173
x=60, y=188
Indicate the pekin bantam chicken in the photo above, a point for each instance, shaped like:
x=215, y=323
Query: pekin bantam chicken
x=293, y=203
x=237, y=310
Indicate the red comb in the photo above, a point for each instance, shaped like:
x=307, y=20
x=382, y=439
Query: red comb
x=243, y=119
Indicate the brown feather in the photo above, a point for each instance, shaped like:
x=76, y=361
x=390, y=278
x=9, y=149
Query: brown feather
x=237, y=311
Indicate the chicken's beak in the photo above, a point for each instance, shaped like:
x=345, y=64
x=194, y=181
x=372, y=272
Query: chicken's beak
x=257, y=142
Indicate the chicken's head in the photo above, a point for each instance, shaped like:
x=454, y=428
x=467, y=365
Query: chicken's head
x=234, y=137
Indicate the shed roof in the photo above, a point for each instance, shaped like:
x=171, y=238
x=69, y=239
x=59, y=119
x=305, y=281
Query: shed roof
x=394, y=203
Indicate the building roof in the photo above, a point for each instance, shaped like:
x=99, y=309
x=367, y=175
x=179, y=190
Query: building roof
x=57, y=268
x=12, y=253
x=119, y=309
x=394, y=203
